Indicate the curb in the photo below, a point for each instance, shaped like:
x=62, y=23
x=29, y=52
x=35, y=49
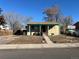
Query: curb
x=37, y=46
x=23, y=46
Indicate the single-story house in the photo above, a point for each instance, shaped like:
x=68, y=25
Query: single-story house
x=50, y=28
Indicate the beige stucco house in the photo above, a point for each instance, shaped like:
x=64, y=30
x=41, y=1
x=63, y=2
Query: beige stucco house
x=50, y=28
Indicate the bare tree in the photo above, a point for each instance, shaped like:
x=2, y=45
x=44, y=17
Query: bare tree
x=13, y=20
x=2, y=20
x=67, y=21
x=16, y=21
x=16, y=26
x=26, y=20
x=53, y=14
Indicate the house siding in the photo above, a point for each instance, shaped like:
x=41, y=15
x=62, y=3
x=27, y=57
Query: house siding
x=55, y=30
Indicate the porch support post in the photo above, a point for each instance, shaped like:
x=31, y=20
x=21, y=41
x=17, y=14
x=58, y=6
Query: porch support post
x=40, y=29
x=30, y=29
x=47, y=29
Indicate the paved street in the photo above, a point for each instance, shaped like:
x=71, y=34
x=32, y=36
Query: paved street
x=68, y=53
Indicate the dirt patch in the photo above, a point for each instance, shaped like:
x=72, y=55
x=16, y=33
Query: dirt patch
x=28, y=40
x=64, y=39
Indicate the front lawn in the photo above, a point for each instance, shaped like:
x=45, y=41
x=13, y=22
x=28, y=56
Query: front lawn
x=64, y=39
x=28, y=40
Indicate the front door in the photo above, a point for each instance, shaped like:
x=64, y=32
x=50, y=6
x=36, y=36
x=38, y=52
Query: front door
x=44, y=28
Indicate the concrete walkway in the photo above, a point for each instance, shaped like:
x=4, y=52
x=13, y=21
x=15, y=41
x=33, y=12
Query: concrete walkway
x=47, y=39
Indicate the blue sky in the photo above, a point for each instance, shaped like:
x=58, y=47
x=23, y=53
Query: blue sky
x=34, y=8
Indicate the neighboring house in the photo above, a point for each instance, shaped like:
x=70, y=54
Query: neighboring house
x=4, y=27
x=50, y=28
x=77, y=25
x=71, y=27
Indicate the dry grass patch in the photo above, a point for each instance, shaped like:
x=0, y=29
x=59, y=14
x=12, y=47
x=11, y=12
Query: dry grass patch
x=6, y=32
x=27, y=40
x=64, y=39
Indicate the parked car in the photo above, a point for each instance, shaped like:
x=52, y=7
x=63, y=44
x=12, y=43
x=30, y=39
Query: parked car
x=70, y=31
x=76, y=33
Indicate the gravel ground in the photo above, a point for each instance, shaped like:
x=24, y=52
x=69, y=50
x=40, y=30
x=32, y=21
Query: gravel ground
x=64, y=39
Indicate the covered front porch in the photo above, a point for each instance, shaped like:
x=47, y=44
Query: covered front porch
x=38, y=29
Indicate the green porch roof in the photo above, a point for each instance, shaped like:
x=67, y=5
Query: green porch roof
x=42, y=23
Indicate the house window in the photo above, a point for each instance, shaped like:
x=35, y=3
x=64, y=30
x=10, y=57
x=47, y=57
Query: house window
x=34, y=28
